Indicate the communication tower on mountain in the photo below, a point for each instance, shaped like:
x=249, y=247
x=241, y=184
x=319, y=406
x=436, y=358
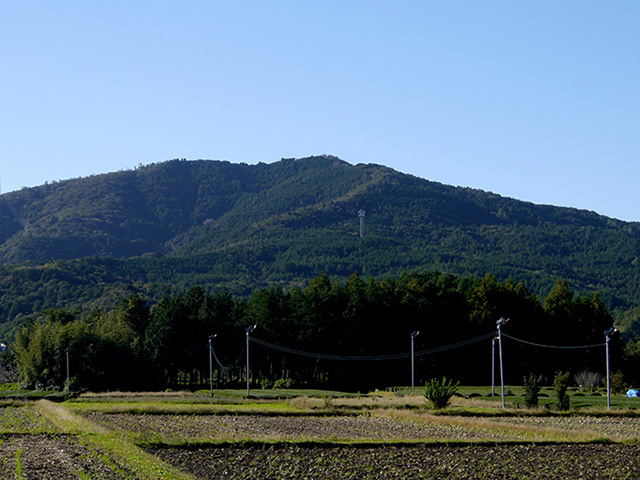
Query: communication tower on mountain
x=361, y=215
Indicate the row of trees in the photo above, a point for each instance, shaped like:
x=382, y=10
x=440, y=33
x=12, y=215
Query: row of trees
x=137, y=345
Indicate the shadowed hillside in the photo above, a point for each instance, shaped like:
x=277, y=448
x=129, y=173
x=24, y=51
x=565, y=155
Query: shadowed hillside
x=221, y=225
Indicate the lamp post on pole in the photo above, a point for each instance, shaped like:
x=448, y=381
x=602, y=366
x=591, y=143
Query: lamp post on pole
x=413, y=383
x=248, y=331
x=211, y=337
x=607, y=337
x=499, y=323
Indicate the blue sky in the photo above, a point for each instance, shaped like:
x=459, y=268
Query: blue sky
x=537, y=101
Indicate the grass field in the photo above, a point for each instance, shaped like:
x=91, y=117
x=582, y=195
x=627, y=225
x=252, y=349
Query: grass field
x=311, y=434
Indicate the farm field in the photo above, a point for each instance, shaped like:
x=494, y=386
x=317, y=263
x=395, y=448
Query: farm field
x=192, y=436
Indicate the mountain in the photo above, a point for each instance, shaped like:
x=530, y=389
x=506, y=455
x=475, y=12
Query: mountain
x=175, y=224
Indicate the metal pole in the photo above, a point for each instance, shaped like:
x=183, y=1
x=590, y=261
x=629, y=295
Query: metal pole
x=607, y=338
x=493, y=366
x=248, y=331
x=248, y=392
x=500, y=323
x=211, y=364
x=608, y=387
x=413, y=383
x=501, y=370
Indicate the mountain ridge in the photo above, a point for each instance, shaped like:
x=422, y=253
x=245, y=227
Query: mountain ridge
x=236, y=226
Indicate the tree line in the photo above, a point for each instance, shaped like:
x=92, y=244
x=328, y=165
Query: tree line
x=347, y=329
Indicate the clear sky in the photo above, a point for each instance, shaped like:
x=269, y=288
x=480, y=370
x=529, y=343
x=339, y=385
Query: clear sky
x=538, y=101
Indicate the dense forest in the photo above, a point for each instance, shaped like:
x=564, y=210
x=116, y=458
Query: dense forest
x=161, y=229
x=352, y=335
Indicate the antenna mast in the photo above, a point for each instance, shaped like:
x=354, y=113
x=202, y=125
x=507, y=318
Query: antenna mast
x=361, y=215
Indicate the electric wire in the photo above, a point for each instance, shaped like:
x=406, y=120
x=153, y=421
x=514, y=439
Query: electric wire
x=398, y=356
x=564, y=347
x=224, y=367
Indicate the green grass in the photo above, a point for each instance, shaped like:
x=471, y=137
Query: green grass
x=18, y=418
x=271, y=402
x=115, y=445
x=19, y=464
x=514, y=397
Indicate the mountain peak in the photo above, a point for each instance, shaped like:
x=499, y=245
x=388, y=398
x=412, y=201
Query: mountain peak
x=222, y=224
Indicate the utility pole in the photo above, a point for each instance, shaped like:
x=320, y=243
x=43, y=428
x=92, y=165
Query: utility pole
x=607, y=337
x=493, y=366
x=68, y=378
x=248, y=331
x=413, y=384
x=211, y=337
x=499, y=323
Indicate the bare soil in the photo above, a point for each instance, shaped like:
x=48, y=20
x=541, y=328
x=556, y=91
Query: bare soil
x=172, y=428
x=429, y=461
x=499, y=452
x=299, y=447
x=48, y=456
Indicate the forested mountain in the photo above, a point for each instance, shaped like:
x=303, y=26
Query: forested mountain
x=164, y=227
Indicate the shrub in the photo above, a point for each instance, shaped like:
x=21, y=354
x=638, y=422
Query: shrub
x=266, y=384
x=560, y=385
x=532, y=390
x=328, y=400
x=73, y=385
x=283, y=384
x=439, y=392
x=617, y=383
x=587, y=381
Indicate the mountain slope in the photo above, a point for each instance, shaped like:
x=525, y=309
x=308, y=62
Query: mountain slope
x=236, y=226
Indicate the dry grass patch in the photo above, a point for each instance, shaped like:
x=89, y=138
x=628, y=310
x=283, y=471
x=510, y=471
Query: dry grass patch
x=492, y=426
x=372, y=401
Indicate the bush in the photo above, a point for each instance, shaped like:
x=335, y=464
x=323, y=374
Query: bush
x=266, y=384
x=587, y=381
x=283, y=384
x=560, y=385
x=617, y=383
x=439, y=392
x=73, y=385
x=532, y=390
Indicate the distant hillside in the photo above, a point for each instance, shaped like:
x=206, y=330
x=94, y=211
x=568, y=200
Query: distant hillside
x=221, y=225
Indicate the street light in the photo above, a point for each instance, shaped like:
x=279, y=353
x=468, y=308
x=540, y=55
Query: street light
x=211, y=337
x=248, y=331
x=413, y=384
x=607, y=337
x=499, y=324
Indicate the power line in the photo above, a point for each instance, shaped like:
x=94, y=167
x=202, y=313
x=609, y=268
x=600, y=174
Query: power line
x=564, y=347
x=373, y=358
x=223, y=367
